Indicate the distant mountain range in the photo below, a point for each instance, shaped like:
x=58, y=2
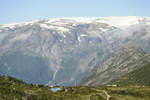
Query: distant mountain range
x=64, y=50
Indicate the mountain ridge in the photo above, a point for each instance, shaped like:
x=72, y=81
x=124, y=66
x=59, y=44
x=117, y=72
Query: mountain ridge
x=73, y=47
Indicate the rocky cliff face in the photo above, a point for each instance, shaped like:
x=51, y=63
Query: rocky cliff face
x=72, y=47
x=124, y=61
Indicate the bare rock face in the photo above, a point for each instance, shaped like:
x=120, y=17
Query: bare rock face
x=124, y=61
x=69, y=47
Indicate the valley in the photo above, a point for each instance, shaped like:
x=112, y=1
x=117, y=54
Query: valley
x=65, y=50
x=12, y=88
x=106, y=58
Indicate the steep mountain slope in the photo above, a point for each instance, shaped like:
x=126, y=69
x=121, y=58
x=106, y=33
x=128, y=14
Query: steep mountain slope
x=72, y=46
x=124, y=61
x=137, y=77
x=30, y=68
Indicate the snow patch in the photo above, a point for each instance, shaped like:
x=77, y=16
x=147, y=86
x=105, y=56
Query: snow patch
x=83, y=35
x=74, y=24
x=60, y=40
x=148, y=23
x=59, y=28
x=63, y=29
x=102, y=29
x=63, y=21
x=15, y=25
x=95, y=34
x=79, y=39
x=11, y=26
x=120, y=22
x=45, y=26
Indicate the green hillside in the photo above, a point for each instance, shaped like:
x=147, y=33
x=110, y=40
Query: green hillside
x=13, y=89
x=124, y=61
x=139, y=76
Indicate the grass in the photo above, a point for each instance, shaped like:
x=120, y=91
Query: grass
x=137, y=77
x=11, y=88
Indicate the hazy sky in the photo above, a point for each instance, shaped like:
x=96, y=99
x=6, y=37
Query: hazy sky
x=13, y=11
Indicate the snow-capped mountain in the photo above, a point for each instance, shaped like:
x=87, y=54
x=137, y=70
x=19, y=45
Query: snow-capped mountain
x=68, y=47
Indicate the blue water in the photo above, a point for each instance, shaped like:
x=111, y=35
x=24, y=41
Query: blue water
x=55, y=89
